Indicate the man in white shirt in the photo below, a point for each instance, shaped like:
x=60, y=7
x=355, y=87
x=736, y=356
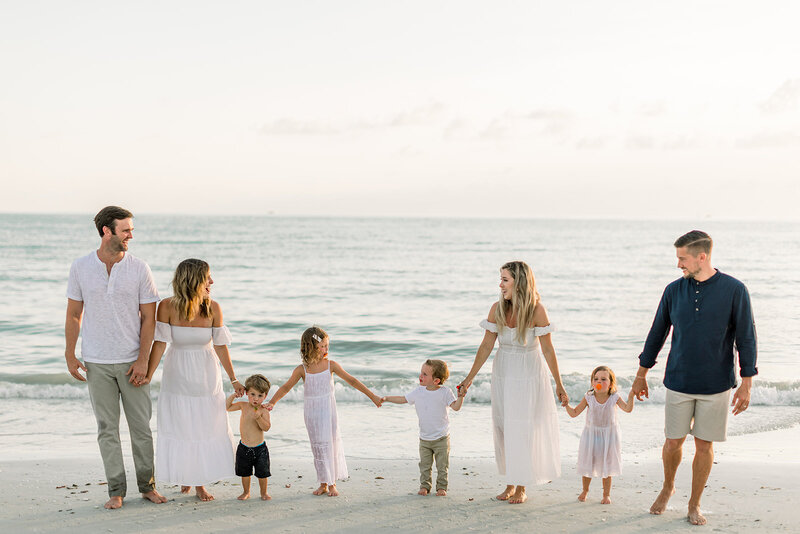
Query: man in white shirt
x=115, y=296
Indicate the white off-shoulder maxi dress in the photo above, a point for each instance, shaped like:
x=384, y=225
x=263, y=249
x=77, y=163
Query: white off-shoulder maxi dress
x=194, y=445
x=319, y=413
x=524, y=419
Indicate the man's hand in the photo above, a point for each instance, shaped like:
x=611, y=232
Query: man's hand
x=639, y=387
x=741, y=399
x=73, y=364
x=137, y=372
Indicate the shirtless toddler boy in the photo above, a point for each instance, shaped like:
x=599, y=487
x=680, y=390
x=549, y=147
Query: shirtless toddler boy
x=252, y=453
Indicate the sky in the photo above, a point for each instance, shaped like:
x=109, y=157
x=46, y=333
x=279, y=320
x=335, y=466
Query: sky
x=576, y=109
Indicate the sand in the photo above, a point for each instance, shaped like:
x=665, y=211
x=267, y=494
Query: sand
x=753, y=487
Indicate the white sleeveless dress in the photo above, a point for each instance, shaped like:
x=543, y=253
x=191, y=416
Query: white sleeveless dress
x=524, y=419
x=195, y=445
x=319, y=413
x=599, y=452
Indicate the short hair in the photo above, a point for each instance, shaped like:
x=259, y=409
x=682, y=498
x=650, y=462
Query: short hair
x=258, y=383
x=612, y=379
x=695, y=242
x=109, y=216
x=439, y=368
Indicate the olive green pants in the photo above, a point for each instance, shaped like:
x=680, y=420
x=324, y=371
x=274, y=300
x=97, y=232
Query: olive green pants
x=438, y=449
x=107, y=386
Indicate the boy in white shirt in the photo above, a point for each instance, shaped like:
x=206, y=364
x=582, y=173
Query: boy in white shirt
x=431, y=401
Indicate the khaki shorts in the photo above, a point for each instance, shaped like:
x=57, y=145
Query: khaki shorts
x=703, y=416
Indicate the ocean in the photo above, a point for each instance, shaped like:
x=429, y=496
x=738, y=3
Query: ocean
x=391, y=293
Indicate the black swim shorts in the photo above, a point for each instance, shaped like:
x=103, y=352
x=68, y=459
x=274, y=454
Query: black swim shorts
x=249, y=459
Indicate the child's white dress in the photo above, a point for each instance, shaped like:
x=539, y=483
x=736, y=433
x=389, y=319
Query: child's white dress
x=524, y=419
x=319, y=412
x=599, y=451
x=194, y=444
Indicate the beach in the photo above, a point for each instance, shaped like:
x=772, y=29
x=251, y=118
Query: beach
x=385, y=317
x=752, y=487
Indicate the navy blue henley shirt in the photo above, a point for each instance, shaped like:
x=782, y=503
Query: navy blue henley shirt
x=707, y=318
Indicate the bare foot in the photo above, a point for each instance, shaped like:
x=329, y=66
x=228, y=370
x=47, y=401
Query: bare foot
x=423, y=491
x=154, y=496
x=244, y=496
x=506, y=493
x=695, y=517
x=441, y=493
x=113, y=503
x=202, y=494
x=582, y=496
x=605, y=500
x=185, y=489
x=660, y=504
x=519, y=496
x=266, y=497
x=332, y=491
x=321, y=490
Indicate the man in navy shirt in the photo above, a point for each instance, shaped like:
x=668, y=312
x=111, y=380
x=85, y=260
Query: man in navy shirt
x=711, y=319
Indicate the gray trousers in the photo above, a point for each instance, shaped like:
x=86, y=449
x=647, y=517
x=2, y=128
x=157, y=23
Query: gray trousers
x=438, y=449
x=107, y=385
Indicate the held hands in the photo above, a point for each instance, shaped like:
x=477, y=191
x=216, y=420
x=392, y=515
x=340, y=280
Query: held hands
x=238, y=387
x=562, y=395
x=639, y=388
x=377, y=400
x=269, y=406
x=463, y=387
x=138, y=373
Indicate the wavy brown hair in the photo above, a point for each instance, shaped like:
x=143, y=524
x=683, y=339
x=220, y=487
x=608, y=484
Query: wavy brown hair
x=188, y=297
x=523, y=301
x=309, y=344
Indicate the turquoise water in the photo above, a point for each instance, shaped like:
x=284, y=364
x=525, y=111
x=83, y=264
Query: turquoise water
x=393, y=292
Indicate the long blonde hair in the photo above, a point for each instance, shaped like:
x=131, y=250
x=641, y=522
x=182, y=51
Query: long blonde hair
x=188, y=296
x=523, y=302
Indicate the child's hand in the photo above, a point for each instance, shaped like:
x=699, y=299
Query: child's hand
x=269, y=406
x=462, y=392
x=377, y=400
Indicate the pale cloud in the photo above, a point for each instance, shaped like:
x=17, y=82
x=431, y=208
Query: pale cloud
x=783, y=99
x=592, y=143
x=652, y=109
x=498, y=128
x=454, y=129
x=544, y=121
x=641, y=142
x=419, y=116
x=769, y=140
x=287, y=126
x=680, y=142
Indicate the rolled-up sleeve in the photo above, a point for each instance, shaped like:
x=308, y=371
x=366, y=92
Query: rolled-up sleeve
x=745, y=332
x=658, y=333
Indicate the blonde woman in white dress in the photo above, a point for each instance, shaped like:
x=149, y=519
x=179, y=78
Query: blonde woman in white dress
x=195, y=445
x=319, y=407
x=524, y=419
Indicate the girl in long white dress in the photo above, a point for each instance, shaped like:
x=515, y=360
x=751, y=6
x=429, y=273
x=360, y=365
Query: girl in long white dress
x=319, y=407
x=194, y=444
x=599, y=452
x=524, y=419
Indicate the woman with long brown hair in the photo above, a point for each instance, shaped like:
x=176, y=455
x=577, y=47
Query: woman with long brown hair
x=194, y=446
x=524, y=418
